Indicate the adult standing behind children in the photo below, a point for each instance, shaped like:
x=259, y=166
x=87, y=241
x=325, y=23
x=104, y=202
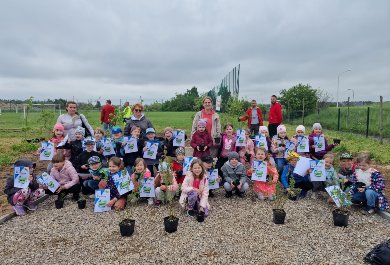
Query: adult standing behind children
x=254, y=116
x=138, y=119
x=72, y=119
x=126, y=112
x=275, y=116
x=106, y=115
x=213, y=123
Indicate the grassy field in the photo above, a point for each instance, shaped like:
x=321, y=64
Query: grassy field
x=11, y=134
x=355, y=121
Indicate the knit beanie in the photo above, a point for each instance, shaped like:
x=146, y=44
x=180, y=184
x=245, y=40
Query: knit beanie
x=263, y=128
x=233, y=155
x=202, y=122
x=58, y=126
x=180, y=150
x=300, y=128
x=80, y=130
x=281, y=128
x=317, y=125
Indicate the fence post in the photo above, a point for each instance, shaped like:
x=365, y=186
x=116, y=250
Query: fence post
x=303, y=112
x=381, y=120
x=368, y=120
x=338, y=120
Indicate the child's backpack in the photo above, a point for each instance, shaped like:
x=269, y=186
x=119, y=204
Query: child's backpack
x=379, y=255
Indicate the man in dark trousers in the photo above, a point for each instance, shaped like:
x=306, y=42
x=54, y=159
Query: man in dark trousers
x=275, y=116
x=254, y=116
x=106, y=114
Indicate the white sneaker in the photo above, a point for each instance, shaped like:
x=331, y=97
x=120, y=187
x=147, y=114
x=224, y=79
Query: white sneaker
x=150, y=201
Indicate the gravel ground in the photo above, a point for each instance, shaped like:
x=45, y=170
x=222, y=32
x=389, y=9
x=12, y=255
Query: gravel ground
x=238, y=231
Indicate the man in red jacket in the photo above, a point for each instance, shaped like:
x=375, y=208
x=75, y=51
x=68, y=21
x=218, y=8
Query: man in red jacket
x=275, y=116
x=105, y=117
x=254, y=117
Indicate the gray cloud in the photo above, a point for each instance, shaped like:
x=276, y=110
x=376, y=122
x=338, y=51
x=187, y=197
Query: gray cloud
x=153, y=49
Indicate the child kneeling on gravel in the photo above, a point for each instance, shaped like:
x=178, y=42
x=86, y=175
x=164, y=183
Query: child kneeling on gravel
x=165, y=184
x=22, y=199
x=234, y=174
x=195, y=191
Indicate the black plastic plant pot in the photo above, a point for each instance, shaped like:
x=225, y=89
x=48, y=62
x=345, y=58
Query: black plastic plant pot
x=340, y=218
x=81, y=204
x=59, y=204
x=170, y=224
x=292, y=197
x=200, y=217
x=279, y=216
x=336, y=141
x=126, y=227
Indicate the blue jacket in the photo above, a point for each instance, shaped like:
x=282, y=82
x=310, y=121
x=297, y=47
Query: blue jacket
x=288, y=173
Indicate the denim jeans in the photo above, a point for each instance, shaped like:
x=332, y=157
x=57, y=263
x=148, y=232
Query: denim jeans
x=280, y=162
x=368, y=197
x=91, y=185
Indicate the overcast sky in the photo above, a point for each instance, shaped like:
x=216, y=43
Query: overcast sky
x=154, y=49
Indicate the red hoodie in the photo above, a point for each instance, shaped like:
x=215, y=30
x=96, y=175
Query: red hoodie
x=105, y=113
x=275, y=114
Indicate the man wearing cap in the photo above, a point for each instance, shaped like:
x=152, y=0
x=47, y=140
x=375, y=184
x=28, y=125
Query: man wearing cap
x=22, y=199
x=107, y=114
x=275, y=116
x=234, y=176
x=254, y=116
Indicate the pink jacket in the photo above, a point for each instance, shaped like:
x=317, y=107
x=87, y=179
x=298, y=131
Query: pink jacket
x=187, y=187
x=250, y=148
x=67, y=176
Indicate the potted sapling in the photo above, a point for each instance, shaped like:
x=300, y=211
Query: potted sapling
x=292, y=192
x=279, y=214
x=343, y=202
x=127, y=225
x=171, y=221
x=60, y=200
x=81, y=202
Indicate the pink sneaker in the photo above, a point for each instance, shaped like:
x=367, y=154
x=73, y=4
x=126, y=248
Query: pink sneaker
x=19, y=210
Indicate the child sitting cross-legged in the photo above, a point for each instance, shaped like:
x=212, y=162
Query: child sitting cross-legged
x=165, y=184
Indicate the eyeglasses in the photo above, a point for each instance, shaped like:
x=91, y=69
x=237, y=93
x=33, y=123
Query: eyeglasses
x=137, y=110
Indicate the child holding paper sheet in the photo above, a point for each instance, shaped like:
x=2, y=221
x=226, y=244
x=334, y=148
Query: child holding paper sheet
x=141, y=173
x=247, y=152
x=318, y=143
x=368, y=186
x=22, y=198
x=302, y=182
x=65, y=174
x=116, y=200
x=213, y=178
x=131, y=154
x=263, y=130
x=228, y=144
x=153, y=150
x=278, y=147
x=301, y=141
x=201, y=140
x=195, y=191
x=265, y=188
x=165, y=184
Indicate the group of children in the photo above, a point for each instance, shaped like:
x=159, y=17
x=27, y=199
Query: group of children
x=87, y=164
